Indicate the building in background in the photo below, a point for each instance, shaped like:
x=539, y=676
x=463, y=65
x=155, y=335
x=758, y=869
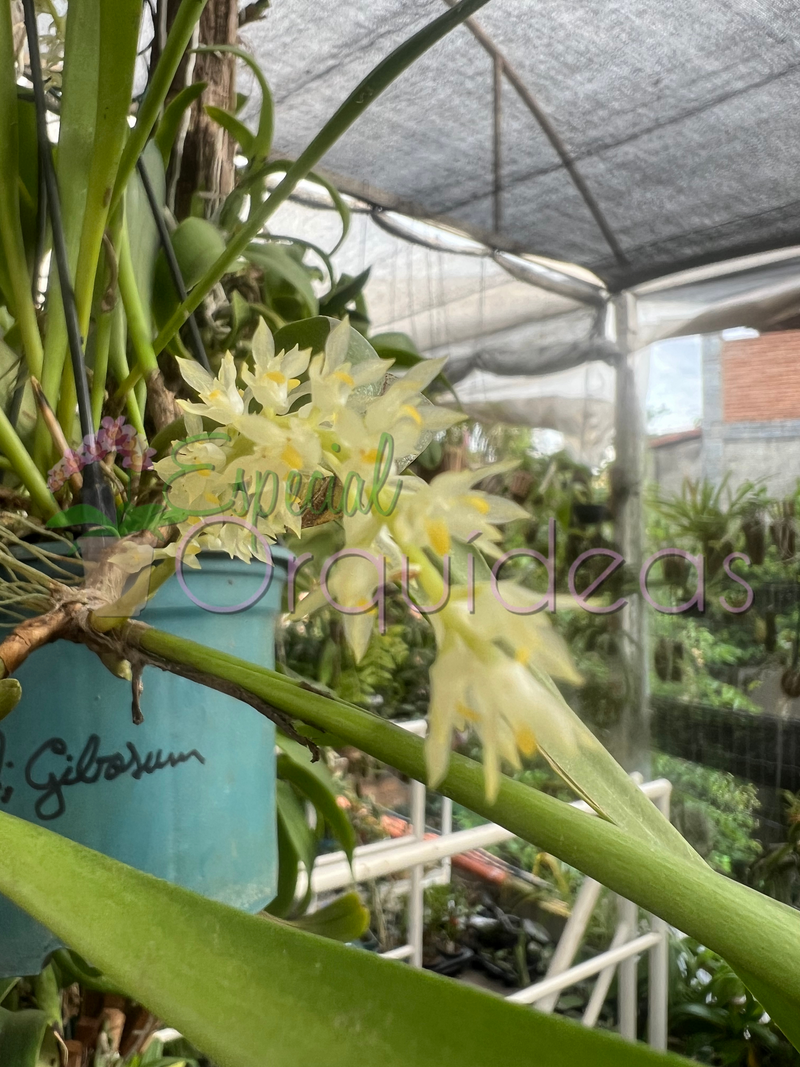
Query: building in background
x=751, y=418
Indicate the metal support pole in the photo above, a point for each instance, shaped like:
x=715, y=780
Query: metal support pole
x=604, y=980
x=627, y=983
x=447, y=828
x=571, y=938
x=415, y=896
x=658, y=976
x=631, y=743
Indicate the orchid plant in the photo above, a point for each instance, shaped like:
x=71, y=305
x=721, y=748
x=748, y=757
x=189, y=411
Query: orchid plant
x=346, y=429
x=279, y=438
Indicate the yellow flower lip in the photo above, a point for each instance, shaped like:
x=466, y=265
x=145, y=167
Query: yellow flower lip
x=526, y=740
x=438, y=535
x=411, y=411
x=292, y=457
x=275, y=376
x=478, y=502
x=342, y=376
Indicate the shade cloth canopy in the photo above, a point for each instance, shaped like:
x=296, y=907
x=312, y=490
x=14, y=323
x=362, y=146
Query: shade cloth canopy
x=630, y=137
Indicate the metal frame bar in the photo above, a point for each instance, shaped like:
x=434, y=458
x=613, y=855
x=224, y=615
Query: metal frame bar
x=551, y=133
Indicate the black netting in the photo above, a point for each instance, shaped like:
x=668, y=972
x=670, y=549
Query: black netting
x=681, y=119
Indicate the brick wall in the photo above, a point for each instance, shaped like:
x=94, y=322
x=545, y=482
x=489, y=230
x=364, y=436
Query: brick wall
x=761, y=378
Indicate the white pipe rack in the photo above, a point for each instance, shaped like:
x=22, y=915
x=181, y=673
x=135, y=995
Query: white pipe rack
x=414, y=851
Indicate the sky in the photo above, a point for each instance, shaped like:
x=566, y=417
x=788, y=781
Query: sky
x=675, y=386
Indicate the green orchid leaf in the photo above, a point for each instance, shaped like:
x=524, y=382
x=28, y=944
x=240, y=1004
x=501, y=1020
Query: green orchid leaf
x=341, y=295
x=196, y=243
x=261, y=141
x=344, y=919
x=172, y=118
x=313, y=333
x=397, y=346
x=26, y=1040
x=10, y=696
x=400, y=348
x=293, y=818
x=288, y=864
x=142, y=229
x=81, y=515
x=283, y=276
x=144, y=517
x=47, y=995
x=315, y=783
x=278, y=166
x=252, y=993
x=235, y=127
x=74, y=969
x=6, y=985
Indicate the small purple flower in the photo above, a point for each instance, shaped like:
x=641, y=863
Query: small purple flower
x=67, y=466
x=137, y=460
x=115, y=435
x=91, y=451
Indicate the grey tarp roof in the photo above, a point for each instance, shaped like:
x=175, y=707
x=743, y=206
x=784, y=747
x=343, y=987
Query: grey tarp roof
x=680, y=120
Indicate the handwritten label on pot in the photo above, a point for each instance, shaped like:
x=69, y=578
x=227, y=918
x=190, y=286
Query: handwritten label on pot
x=89, y=768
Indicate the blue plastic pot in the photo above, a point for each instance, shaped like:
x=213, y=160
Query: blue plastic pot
x=188, y=795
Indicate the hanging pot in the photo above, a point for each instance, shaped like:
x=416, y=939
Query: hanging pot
x=188, y=795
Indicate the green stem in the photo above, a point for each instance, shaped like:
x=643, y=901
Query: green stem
x=138, y=328
x=359, y=100
x=25, y=468
x=119, y=33
x=105, y=326
x=102, y=345
x=178, y=39
x=15, y=271
x=118, y=363
x=73, y=164
x=751, y=931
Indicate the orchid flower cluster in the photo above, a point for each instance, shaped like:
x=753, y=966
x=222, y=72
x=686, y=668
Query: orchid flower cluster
x=114, y=438
x=330, y=426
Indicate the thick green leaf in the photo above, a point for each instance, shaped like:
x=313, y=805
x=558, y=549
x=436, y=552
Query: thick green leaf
x=173, y=116
x=316, y=784
x=293, y=818
x=344, y=919
x=288, y=863
x=73, y=968
x=235, y=127
x=26, y=1040
x=251, y=993
x=400, y=348
x=80, y=515
x=48, y=995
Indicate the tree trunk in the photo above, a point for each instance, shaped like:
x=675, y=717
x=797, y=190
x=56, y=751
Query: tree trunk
x=206, y=162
